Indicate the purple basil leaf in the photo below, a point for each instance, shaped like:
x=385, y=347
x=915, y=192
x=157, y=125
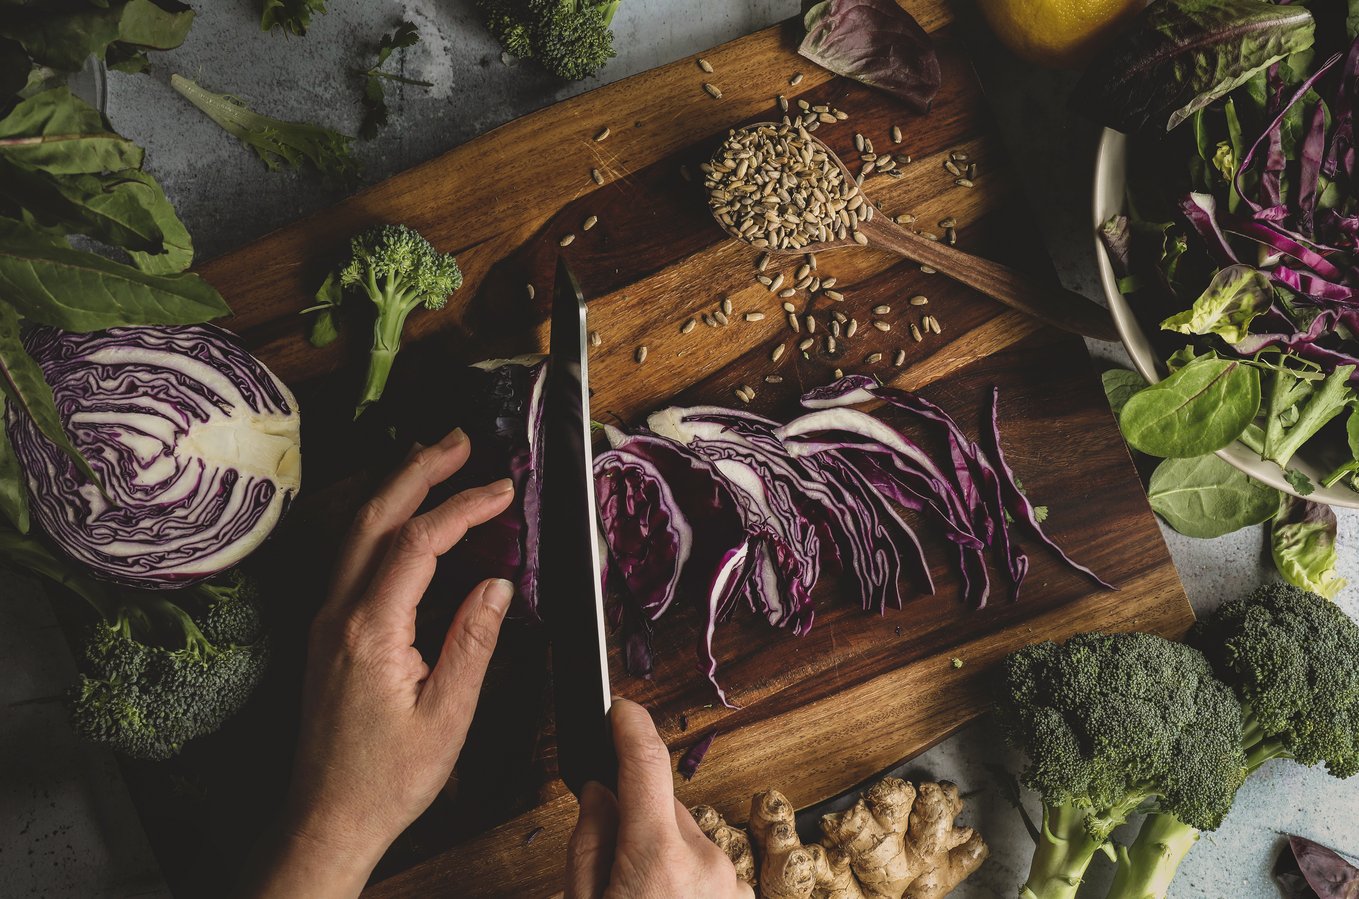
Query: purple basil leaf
x=688, y=764
x=1306, y=869
x=875, y=42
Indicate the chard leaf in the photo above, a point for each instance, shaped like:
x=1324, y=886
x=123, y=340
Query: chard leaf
x=58, y=132
x=1206, y=497
x=113, y=208
x=1302, y=541
x=280, y=144
x=1119, y=386
x=13, y=493
x=875, y=42
x=1308, y=870
x=1199, y=409
x=1181, y=55
x=28, y=394
x=78, y=291
x=1235, y=296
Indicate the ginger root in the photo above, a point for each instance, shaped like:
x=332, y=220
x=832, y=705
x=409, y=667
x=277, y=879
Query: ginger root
x=895, y=842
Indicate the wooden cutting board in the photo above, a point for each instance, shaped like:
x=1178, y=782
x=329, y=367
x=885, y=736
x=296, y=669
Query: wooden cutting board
x=860, y=692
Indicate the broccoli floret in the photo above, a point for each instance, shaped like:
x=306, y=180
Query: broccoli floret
x=1290, y=656
x=158, y=673
x=1109, y=723
x=399, y=271
x=569, y=38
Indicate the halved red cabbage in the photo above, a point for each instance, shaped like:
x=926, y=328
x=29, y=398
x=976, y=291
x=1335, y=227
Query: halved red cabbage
x=195, y=443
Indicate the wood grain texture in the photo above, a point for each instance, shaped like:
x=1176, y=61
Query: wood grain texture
x=861, y=691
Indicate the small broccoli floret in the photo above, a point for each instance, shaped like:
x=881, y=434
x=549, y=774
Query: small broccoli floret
x=569, y=38
x=399, y=271
x=159, y=673
x=1110, y=722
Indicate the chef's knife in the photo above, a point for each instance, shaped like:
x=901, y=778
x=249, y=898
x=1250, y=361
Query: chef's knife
x=570, y=592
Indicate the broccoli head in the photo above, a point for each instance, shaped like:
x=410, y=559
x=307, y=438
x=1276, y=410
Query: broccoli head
x=1110, y=722
x=1293, y=659
x=399, y=271
x=569, y=38
x=158, y=673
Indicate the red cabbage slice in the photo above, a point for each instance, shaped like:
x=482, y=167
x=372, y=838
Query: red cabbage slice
x=196, y=444
x=1200, y=210
x=1274, y=237
x=1339, y=157
x=688, y=764
x=1309, y=168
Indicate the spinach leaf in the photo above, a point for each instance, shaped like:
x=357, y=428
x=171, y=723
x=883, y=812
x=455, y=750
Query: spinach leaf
x=66, y=288
x=1302, y=541
x=1119, y=386
x=1235, y=296
x=63, y=38
x=1181, y=55
x=58, y=132
x=176, y=246
x=1200, y=408
x=22, y=383
x=1206, y=497
x=13, y=492
x=113, y=208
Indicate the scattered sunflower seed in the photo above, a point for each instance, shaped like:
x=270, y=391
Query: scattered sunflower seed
x=796, y=79
x=933, y=324
x=881, y=325
x=805, y=343
x=721, y=318
x=713, y=90
x=859, y=142
x=839, y=316
x=904, y=219
x=896, y=134
x=958, y=156
x=919, y=300
x=804, y=105
x=873, y=358
x=789, y=307
x=754, y=316
x=776, y=283
x=764, y=279
x=840, y=114
x=827, y=283
x=688, y=325
x=750, y=392
x=709, y=320
x=641, y=354
x=952, y=168
x=948, y=222
x=963, y=182
x=972, y=171
x=831, y=345
x=853, y=327
x=810, y=260
x=604, y=133
x=810, y=322
x=566, y=241
x=915, y=334
x=835, y=295
x=803, y=283
x=595, y=339
x=773, y=379
x=777, y=353
x=598, y=177
x=927, y=269
x=528, y=288
x=741, y=394
x=839, y=373
x=794, y=323
x=951, y=235
x=928, y=235
x=762, y=263
x=860, y=238
x=704, y=64
x=803, y=271
x=726, y=305
x=899, y=359
x=884, y=309
x=589, y=223
x=783, y=102
x=787, y=292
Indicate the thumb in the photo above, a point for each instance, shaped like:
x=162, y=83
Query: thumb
x=589, y=855
x=452, y=689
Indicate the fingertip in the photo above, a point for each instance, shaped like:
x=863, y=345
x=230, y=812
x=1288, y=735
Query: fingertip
x=453, y=438
x=497, y=594
x=504, y=485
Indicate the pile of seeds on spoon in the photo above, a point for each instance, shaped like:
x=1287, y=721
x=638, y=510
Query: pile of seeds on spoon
x=778, y=188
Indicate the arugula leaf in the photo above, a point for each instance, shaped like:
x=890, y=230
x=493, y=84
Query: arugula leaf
x=13, y=492
x=1235, y=296
x=56, y=131
x=1298, y=408
x=1302, y=542
x=374, y=95
x=280, y=144
x=22, y=383
x=1199, y=409
x=1181, y=55
x=1119, y=386
x=293, y=16
x=63, y=38
x=52, y=284
x=1206, y=497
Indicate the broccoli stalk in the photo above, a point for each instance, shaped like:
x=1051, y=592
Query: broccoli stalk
x=399, y=271
x=1289, y=655
x=1110, y=723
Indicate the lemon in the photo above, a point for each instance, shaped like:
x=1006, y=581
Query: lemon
x=1058, y=33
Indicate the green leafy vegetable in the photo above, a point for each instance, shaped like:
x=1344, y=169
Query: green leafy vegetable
x=1199, y=409
x=374, y=93
x=1235, y=296
x=569, y=38
x=325, y=328
x=63, y=35
x=63, y=135
x=117, y=208
x=293, y=16
x=1207, y=497
x=13, y=493
x=1302, y=541
x=1119, y=386
x=1181, y=55
x=278, y=143
x=1298, y=408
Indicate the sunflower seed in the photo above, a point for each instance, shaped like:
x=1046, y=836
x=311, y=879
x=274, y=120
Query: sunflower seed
x=927, y=269
x=589, y=223
x=873, y=358
x=713, y=90
x=804, y=105
x=952, y=168
x=958, y=156
x=831, y=345
x=853, y=327
x=896, y=134
x=882, y=325
x=604, y=133
x=805, y=343
x=566, y=241
x=764, y=279
x=802, y=271
x=773, y=379
x=595, y=339
x=827, y=283
x=840, y=114
x=796, y=79
x=528, y=288
x=810, y=260
x=963, y=182
x=933, y=324
x=810, y=322
x=869, y=157
x=951, y=235
x=783, y=102
x=688, y=325
x=709, y=320
x=815, y=285
x=597, y=176
x=919, y=300
x=839, y=316
x=641, y=354
x=928, y=235
x=899, y=359
x=776, y=283
x=726, y=305
x=882, y=310
x=859, y=142
x=972, y=171
x=788, y=307
x=860, y=238
x=787, y=292
x=762, y=263
x=794, y=323
x=948, y=222
x=803, y=283
x=835, y=295
x=867, y=169
x=741, y=394
x=777, y=353
x=704, y=64
x=904, y=219
x=868, y=144
x=754, y=316
x=839, y=373
x=915, y=334
x=721, y=318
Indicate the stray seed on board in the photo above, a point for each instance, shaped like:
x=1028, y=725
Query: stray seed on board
x=765, y=280
x=754, y=316
x=952, y=168
x=881, y=325
x=709, y=320
x=933, y=324
x=835, y=328
x=919, y=300
x=827, y=283
x=958, y=156
x=721, y=318
x=713, y=90
x=787, y=292
x=641, y=354
x=805, y=343
x=789, y=307
x=882, y=310
x=831, y=345
x=595, y=339
x=528, y=288
x=927, y=269
x=835, y=295
x=783, y=102
x=803, y=271
x=929, y=235
x=853, y=327
x=916, y=335
x=899, y=359
x=566, y=241
x=597, y=176
x=896, y=134
x=796, y=79
x=873, y=358
x=951, y=235
x=904, y=219
x=704, y=64
x=839, y=316
x=859, y=142
x=777, y=354
x=741, y=394
x=726, y=305
x=688, y=325
x=972, y=171
x=948, y=222
x=811, y=324
x=860, y=238
x=604, y=133
x=773, y=379
x=804, y=105
x=776, y=283
x=762, y=263
x=963, y=182
x=589, y=223
x=839, y=373
x=794, y=323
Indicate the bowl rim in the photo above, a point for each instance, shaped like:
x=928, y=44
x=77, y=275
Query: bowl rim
x=1107, y=199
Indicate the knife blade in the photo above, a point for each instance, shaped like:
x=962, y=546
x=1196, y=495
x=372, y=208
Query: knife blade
x=571, y=594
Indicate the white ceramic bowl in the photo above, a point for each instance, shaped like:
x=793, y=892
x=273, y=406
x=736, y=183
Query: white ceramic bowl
x=1110, y=188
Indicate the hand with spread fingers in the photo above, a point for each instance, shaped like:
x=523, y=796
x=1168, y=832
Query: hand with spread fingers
x=642, y=843
x=381, y=730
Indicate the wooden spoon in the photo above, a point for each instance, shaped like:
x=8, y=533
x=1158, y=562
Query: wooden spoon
x=1052, y=304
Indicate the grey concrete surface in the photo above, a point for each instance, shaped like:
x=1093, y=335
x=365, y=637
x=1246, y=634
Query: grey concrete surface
x=67, y=827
